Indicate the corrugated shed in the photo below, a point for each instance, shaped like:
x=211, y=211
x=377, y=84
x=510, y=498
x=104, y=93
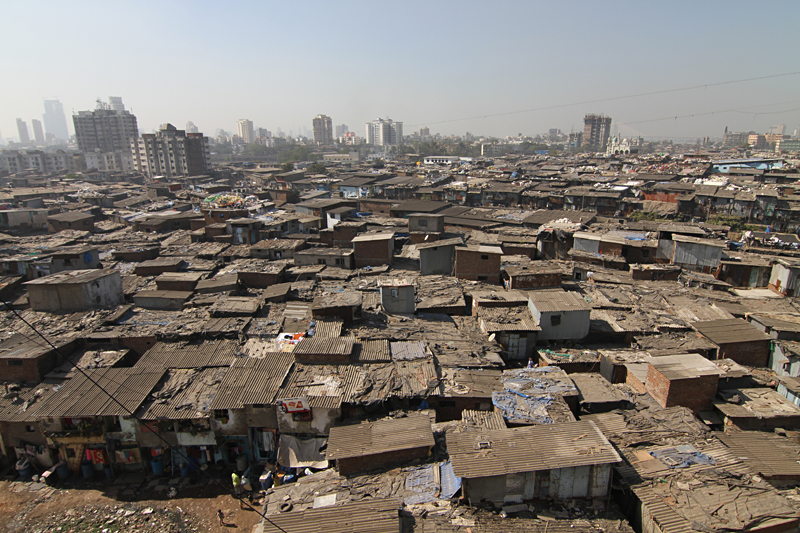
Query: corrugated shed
x=644, y=466
x=252, y=381
x=79, y=397
x=376, y=351
x=381, y=436
x=529, y=449
x=328, y=327
x=490, y=420
x=25, y=406
x=765, y=454
x=324, y=386
x=728, y=331
x=367, y=516
x=189, y=354
x=324, y=346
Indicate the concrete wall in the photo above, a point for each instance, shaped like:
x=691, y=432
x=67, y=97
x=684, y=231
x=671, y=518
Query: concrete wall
x=572, y=324
x=304, y=259
x=438, y=260
x=101, y=293
x=784, y=280
x=426, y=223
x=398, y=300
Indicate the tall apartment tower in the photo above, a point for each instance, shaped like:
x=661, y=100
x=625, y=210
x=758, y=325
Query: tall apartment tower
x=55, y=122
x=323, y=130
x=341, y=129
x=106, y=129
x=245, y=130
x=596, y=130
x=171, y=152
x=382, y=132
x=22, y=129
x=38, y=133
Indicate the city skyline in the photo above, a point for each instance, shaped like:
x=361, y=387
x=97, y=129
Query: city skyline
x=501, y=74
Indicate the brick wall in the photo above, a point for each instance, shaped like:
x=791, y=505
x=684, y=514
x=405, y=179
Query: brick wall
x=373, y=253
x=694, y=393
x=471, y=265
x=753, y=353
x=377, y=461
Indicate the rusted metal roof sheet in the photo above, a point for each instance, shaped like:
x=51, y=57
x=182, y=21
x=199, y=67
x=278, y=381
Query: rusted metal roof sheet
x=376, y=351
x=189, y=354
x=765, y=454
x=325, y=346
x=328, y=327
x=366, y=516
x=730, y=331
x=252, y=381
x=529, y=449
x=381, y=436
x=555, y=301
x=80, y=397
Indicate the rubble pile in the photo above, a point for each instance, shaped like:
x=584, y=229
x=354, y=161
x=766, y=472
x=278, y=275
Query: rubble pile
x=112, y=518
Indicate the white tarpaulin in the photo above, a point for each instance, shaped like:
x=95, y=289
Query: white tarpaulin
x=296, y=453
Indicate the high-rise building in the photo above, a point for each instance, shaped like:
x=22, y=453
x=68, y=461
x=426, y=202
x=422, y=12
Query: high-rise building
x=22, y=129
x=105, y=129
x=55, y=122
x=244, y=129
x=191, y=128
x=425, y=132
x=341, y=129
x=323, y=130
x=596, y=130
x=382, y=132
x=116, y=103
x=780, y=129
x=38, y=134
x=171, y=152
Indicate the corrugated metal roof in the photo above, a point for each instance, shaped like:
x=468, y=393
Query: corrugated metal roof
x=765, y=454
x=483, y=419
x=381, y=436
x=367, y=516
x=555, y=301
x=529, y=449
x=328, y=327
x=376, y=351
x=731, y=330
x=252, y=381
x=79, y=397
x=189, y=354
x=324, y=346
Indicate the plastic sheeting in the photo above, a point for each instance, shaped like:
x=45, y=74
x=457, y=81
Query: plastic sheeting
x=296, y=453
x=683, y=457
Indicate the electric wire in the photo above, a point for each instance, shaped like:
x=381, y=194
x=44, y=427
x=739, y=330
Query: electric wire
x=611, y=99
x=141, y=422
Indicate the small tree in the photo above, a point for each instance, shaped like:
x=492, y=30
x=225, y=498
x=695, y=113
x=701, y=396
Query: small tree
x=287, y=167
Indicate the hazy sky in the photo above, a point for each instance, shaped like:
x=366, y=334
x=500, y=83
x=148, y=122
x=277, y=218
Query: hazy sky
x=424, y=63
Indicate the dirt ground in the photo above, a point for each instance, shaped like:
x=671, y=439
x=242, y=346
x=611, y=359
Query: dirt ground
x=193, y=509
